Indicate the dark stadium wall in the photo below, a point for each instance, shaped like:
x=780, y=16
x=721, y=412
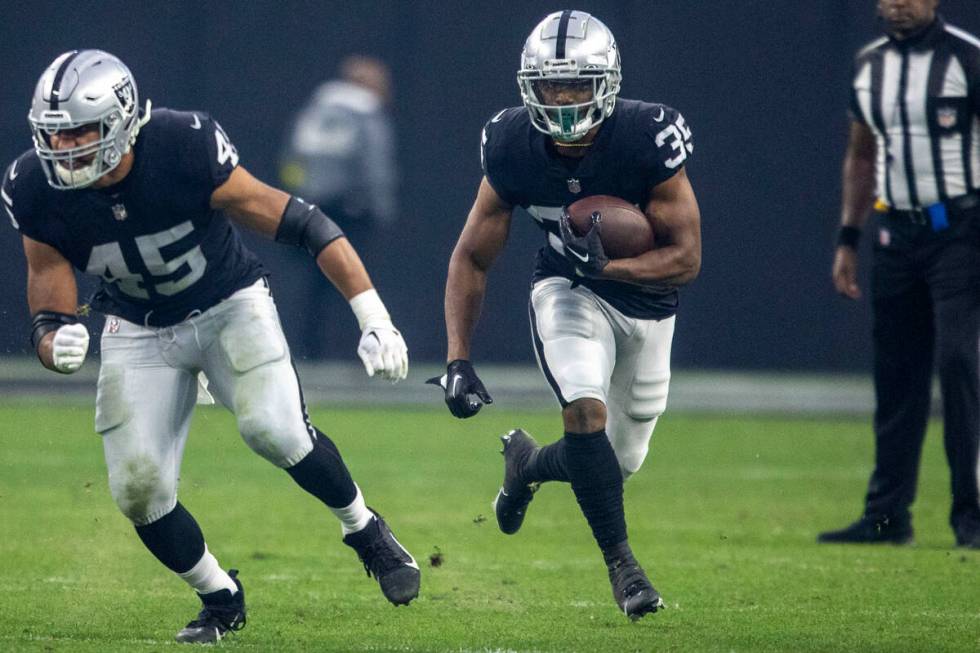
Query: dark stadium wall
x=764, y=89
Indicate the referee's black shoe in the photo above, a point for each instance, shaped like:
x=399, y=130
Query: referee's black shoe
x=967, y=531
x=872, y=529
x=510, y=504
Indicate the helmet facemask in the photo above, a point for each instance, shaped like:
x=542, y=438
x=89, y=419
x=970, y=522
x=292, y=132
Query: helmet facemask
x=592, y=98
x=82, y=165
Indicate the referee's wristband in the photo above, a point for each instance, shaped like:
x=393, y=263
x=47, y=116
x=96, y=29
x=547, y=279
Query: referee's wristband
x=848, y=237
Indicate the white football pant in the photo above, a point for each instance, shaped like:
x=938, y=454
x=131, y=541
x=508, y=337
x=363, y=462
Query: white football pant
x=148, y=386
x=588, y=349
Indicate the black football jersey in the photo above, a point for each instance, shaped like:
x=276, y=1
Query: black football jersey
x=639, y=146
x=161, y=250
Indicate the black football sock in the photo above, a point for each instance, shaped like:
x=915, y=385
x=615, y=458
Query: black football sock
x=323, y=474
x=547, y=464
x=175, y=539
x=598, y=485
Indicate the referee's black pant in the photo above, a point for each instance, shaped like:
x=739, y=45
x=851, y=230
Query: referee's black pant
x=926, y=302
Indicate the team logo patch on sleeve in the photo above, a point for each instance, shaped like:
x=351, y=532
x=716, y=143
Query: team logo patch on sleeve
x=119, y=212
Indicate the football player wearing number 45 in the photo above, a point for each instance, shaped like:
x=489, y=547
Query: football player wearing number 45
x=146, y=200
x=602, y=328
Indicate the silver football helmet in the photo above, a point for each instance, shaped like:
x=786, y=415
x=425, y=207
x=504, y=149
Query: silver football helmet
x=82, y=90
x=575, y=49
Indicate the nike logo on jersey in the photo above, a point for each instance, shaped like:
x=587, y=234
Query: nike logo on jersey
x=497, y=117
x=659, y=118
x=13, y=171
x=197, y=122
x=584, y=259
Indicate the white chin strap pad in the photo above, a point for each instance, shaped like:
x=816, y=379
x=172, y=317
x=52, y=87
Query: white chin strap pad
x=82, y=176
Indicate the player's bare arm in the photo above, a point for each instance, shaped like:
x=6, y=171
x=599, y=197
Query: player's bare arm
x=287, y=219
x=260, y=207
x=51, y=289
x=482, y=239
x=676, y=220
x=856, y=202
x=483, y=236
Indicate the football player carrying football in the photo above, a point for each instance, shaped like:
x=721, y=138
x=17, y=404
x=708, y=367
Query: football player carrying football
x=146, y=200
x=601, y=328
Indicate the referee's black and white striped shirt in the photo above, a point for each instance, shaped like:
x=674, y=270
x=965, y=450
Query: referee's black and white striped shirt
x=921, y=98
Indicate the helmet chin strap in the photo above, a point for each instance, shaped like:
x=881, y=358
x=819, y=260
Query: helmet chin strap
x=77, y=177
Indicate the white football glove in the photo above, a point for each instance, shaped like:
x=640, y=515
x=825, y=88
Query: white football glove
x=69, y=347
x=383, y=351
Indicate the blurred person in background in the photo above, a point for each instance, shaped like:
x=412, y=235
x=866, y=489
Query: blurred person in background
x=914, y=161
x=340, y=155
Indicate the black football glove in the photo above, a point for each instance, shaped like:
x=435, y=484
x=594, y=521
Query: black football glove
x=583, y=252
x=465, y=394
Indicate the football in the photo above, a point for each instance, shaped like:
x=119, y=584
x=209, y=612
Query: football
x=624, y=229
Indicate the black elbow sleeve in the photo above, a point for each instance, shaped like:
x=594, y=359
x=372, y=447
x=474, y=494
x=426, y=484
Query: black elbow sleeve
x=305, y=225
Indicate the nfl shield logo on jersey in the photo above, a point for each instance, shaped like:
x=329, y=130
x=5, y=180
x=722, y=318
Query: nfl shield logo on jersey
x=574, y=186
x=119, y=212
x=946, y=117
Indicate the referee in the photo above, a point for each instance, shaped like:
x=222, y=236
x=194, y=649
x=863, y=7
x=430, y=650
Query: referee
x=914, y=158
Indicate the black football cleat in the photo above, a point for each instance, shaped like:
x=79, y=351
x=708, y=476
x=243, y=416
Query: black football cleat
x=510, y=504
x=387, y=560
x=872, y=530
x=223, y=613
x=631, y=588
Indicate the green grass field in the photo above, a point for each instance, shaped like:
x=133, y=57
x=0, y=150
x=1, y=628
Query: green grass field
x=723, y=516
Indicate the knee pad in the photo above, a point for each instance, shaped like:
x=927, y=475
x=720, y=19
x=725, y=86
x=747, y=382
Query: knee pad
x=270, y=414
x=143, y=491
x=272, y=435
x=648, y=395
x=630, y=439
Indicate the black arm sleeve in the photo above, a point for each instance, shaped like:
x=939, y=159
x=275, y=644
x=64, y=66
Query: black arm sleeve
x=305, y=225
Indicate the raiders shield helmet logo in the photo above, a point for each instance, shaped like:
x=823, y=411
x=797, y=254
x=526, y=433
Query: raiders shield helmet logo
x=946, y=117
x=126, y=95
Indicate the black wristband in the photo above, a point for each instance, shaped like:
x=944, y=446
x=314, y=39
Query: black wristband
x=305, y=225
x=45, y=322
x=848, y=236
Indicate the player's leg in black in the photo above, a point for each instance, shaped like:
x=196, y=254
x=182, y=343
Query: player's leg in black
x=526, y=466
x=323, y=474
x=597, y=481
x=176, y=541
x=253, y=374
x=143, y=454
